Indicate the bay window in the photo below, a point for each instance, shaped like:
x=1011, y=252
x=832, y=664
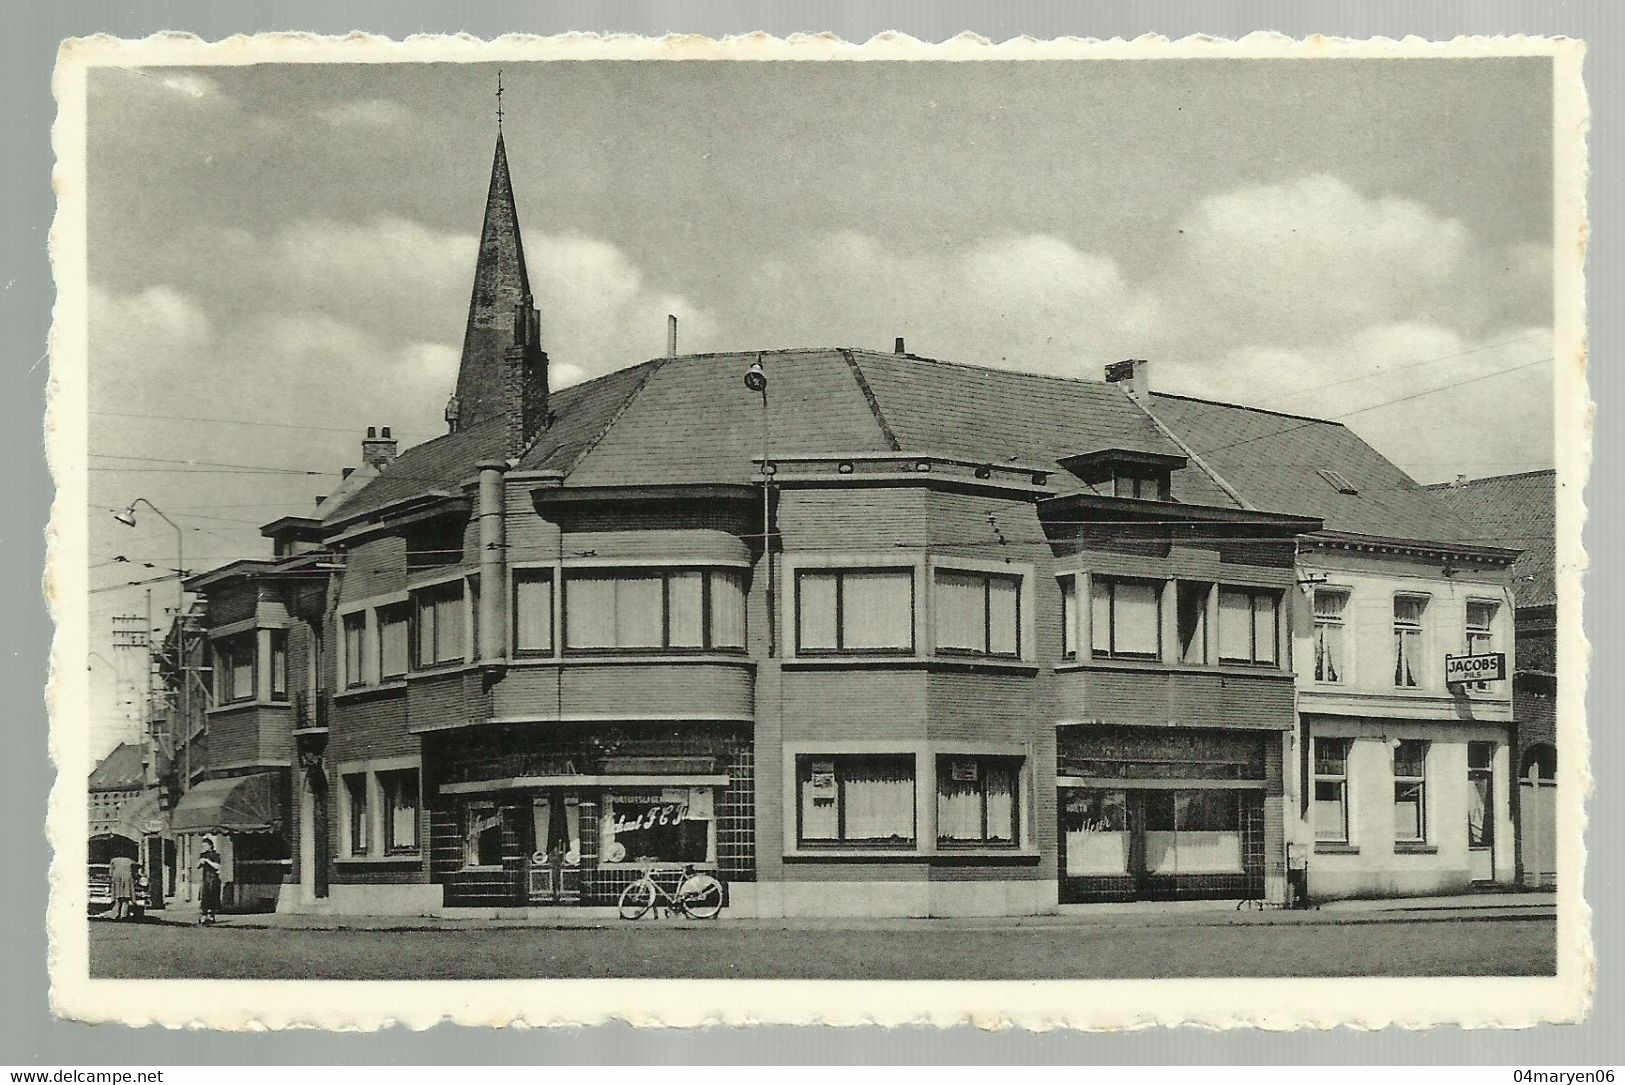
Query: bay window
x=1125, y=618
x=978, y=613
x=855, y=611
x=855, y=799
x=400, y=801
x=1069, y=617
x=654, y=610
x=1331, y=814
x=234, y=668
x=532, y=611
x=1248, y=626
x=1330, y=607
x=279, y=664
x=977, y=800
x=1410, y=792
x=355, y=639
x=440, y=634
x=1408, y=614
x=1192, y=615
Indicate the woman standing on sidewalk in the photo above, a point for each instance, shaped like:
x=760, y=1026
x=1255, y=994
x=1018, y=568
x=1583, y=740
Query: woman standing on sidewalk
x=209, y=867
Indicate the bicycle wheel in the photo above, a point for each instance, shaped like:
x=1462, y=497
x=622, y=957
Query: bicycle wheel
x=636, y=899
x=704, y=899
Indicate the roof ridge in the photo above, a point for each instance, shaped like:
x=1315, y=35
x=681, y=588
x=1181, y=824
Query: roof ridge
x=869, y=396
x=1249, y=407
x=1490, y=478
x=655, y=366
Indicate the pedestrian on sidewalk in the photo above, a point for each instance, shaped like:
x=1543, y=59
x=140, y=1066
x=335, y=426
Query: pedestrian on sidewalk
x=121, y=876
x=209, y=867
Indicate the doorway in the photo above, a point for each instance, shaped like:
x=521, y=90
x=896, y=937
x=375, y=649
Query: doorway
x=554, y=866
x=1481, y=811
x=1537, y=816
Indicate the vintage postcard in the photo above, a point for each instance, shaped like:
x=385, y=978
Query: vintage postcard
x=1039, y=534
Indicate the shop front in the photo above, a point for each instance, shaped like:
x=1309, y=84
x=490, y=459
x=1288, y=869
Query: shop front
x=521, y=818
x=246, y=818
x=1155, y=814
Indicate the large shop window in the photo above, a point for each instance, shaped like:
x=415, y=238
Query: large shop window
x=400, y=794
x=1480, y=633
x=654, y=610
x=1410, y=792
x=359, y=817
x=658, y=825
x=394, y=629
x=978, y=613
x=1193, y=832
x=1408, y=614
x=1192, y=607
x=1332, y=790
x=532, y=611
x=1330, y=606
x=855, y=611
x=355, y=653
x=440, y=636
x=1069, y=617
x=1248, y=626
x=234, y=668
x=482, y=835
x=1125, y=618
x=977, y=800
x=856, y=799
x=1097, y=835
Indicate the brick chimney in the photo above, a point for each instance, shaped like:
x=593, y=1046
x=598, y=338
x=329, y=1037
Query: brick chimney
x=377, y=450
x=524, y=380
x=1133, y=373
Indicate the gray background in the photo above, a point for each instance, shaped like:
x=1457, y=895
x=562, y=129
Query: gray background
x=29, y=1036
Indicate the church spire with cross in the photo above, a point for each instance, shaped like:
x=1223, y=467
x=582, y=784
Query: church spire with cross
x=503, y=372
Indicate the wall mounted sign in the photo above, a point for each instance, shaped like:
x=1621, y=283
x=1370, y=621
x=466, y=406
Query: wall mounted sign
x=1490, y=667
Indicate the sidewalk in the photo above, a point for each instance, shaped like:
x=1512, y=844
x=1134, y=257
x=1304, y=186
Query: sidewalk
x=1481, y=907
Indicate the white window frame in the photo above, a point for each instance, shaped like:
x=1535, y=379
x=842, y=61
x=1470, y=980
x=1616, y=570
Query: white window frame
x=554, y=572
x=708, y=569
x=369, y=771
x=1422, y=781
x=1491, y=632
x=1341, y=779
x=1096, y=581
x=1071, y=627
x=1420, y=628
x=470, y=616
x=1252, y=591
x=1022, y=572
x=1345, y=622
x=371, y=642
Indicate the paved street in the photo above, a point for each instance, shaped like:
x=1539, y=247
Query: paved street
x=1111, y=947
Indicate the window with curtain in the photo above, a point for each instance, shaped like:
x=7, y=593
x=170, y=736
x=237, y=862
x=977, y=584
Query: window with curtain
x=1330, y=606
x=654, y=610
x=1410, y=792
x=1248, y=626
x=1125, y=618
x=1480, y=633
x=977, y=800
x=400, y=795
x=355, y=640
x=482, y=835
x=1480, y=794
x=855, y=611
x=359, y=817
x=394, y=623
x=1192, y=614
x=1331, y=813
x=279, y=664
x=1069, y=617
x=1408, y=614
x=1193, y=832
x=978, y=613
x=532, y=611
x=856, y=799
x=234, y=668
x=1095, y=831
x=440, y=637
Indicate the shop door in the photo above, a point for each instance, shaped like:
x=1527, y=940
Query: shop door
x=555, y=861
x=1481, y=811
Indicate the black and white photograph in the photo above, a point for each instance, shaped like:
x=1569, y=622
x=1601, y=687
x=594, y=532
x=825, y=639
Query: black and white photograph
x=713, y=512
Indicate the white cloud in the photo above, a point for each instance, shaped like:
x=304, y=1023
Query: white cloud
x=366, y=113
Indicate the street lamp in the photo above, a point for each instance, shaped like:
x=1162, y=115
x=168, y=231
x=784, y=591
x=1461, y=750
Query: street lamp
x=127, y=518
x=756, y=381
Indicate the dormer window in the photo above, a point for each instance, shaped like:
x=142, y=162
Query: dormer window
x=1123, y=472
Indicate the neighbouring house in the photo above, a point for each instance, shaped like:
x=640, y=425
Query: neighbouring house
x=1520, y=511
x=865, y=632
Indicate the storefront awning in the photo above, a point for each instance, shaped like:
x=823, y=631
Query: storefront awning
x=237, y=804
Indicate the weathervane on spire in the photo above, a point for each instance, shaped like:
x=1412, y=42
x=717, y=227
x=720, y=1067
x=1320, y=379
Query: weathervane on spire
x=499, y=101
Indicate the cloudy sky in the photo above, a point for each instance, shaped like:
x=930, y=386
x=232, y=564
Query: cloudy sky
x=292, y=246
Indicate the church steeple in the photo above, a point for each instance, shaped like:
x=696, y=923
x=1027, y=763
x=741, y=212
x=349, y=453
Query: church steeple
x=503, y=371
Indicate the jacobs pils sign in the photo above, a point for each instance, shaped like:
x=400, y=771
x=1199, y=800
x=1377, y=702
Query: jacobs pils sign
x=1490, y=667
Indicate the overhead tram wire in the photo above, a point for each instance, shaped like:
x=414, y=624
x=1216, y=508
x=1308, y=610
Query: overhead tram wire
x=1407, y=365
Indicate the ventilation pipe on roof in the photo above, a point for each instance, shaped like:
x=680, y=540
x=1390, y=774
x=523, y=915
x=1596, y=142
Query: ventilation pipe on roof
x=671, y=335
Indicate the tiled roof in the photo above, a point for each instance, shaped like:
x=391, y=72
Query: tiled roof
x=690, y=419
x=120, y=770
x=1518, y=511
x=1274, y=461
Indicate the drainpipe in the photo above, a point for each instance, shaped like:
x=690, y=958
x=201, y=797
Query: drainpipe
x=493, y=575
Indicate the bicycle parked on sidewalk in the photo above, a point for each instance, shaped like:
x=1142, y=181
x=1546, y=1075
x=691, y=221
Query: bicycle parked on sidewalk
x=697, y=895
